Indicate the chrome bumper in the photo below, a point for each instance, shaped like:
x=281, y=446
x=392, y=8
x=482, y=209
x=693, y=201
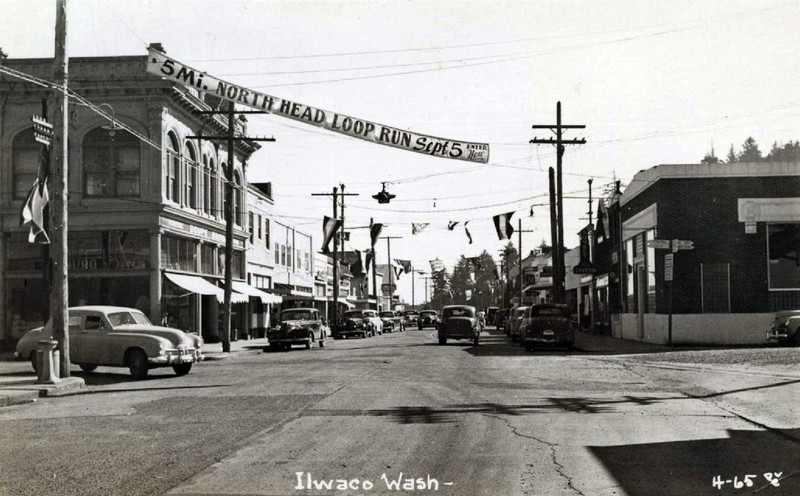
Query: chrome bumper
x=175, y=359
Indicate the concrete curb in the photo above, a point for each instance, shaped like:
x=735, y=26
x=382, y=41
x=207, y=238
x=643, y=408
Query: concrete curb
x=10, y=398
x=213, y=356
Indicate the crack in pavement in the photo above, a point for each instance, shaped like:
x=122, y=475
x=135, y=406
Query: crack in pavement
x=552, y=446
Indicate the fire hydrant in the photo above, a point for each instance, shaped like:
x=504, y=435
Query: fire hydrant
x=48, y=362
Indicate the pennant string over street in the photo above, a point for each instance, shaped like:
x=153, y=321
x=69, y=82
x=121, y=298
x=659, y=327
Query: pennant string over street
x=160, y=64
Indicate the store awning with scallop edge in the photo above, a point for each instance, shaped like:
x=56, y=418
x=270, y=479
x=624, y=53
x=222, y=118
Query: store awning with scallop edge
x=244, y=288
x=199, y=285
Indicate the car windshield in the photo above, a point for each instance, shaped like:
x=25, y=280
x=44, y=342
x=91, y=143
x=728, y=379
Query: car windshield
x=127, y=318
x=429, y=313
x=354, y=315
x=410, y=312
x=458, y=312
x=387, y=314
x=368, y=313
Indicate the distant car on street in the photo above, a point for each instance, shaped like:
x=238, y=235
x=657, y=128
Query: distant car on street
x=548, y=324
x=358, y=323
x=428, y=318
x=785, y=328
x=112, y=336
x=491, y=315
x=301, y=326
x=459, y=322
x=500, y=320
x=411, y=317
x=514, y=320
x=392, y=321
x=377, y=322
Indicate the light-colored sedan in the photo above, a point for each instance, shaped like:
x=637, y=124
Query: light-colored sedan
x=118, y=337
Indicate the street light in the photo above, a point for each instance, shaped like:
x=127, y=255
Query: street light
x=383, y=196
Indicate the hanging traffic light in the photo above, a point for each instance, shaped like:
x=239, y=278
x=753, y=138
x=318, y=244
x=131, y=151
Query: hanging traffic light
x=383, y=196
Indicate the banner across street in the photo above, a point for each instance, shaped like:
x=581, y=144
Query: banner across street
x=161, y=65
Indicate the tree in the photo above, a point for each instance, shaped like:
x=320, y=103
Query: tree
x=441, y=289
x=750, y=151
x=710, y=159
x=510, y=257
x=790, y=152
x=731, y=158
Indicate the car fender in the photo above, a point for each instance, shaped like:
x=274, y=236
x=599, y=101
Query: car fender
x=120, y=343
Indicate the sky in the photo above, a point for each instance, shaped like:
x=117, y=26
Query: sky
x=654, y=83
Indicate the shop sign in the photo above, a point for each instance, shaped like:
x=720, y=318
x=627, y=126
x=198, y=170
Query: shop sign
x=161, y=65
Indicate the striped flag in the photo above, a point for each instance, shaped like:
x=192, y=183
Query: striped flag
x=329, y=228
x=502, y=224
x=375, y=232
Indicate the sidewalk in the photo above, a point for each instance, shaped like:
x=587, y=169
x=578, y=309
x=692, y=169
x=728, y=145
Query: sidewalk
x=598, y=343
x=18, y=381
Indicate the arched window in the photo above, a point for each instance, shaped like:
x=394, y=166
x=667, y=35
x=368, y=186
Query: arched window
x=213, y=180
x=25, y=154
x=172, y=167
x=223, y=167
x=204, y=178
x=238, y=196
x=110, y=163
x=191, y=165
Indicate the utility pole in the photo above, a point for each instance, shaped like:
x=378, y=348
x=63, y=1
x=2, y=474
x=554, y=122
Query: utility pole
x=59, y=287
x=420, y=272
x=554, y=238
x=520, y=231
x=231, y=139
x=374, y=276
x=389, y=262
x=335, y=195
x=559, y=141
x=592, y=284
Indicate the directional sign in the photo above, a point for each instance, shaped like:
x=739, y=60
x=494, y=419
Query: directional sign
x=668, y=264
x=42, y=130
x=685, y=244
x=584, y=270
x=386, y=288
x=658, y=244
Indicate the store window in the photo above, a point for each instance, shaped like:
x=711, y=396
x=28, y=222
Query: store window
x=251, y=226
x=641, y=262
x=213, y=181
x=172, y=168
x=784, y=255
x=630, y=279
x=207, y=257
x=237, y=264
x=108, y=250
x=25, y=155
x=650, y=267
x=178, y=253
x=110, y=163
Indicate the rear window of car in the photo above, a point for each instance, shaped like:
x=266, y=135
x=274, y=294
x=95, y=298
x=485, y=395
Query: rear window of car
x=297, y=315
x=458, y=312
x=410, y=312
x=354, y=315
x=430, y=312
x=547, y=311
x=387, y=314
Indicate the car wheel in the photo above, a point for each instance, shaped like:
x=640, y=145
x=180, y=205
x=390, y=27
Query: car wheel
x=137, y=364
x=475, y=341
x=33, y=362
x=442, y=340
x=86, y=367
x=182, y=368
x=309, y=340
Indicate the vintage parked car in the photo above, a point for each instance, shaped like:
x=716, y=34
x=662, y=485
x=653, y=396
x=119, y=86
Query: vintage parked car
x=391, y=321
x=547, y=324
x=297, y=326
x=428, y=318
x=374, y=318
x=118, y=337
x=355, y=323
x=459, y=322
x=785, y=328
x=411, y=317
x=514, y=320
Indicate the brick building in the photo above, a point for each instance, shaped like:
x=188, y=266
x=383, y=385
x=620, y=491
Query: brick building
x=744, y=222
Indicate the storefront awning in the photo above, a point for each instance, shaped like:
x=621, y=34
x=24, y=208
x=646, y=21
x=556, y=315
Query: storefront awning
x=201, y=286
x=346, y=303
x=244, y=288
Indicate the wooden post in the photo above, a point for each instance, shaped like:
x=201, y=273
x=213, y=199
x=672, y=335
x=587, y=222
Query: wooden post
x=59, y=288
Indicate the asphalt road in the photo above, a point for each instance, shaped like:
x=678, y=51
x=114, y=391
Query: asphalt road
x=453, y=419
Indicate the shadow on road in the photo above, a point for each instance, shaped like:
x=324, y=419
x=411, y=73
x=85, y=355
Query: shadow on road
x=691, y=467
x=450, y=413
